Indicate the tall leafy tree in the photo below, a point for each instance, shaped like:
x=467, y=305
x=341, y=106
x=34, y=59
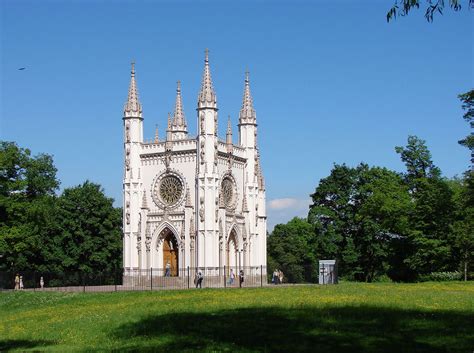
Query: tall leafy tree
x=467, y=100
x=27, y=187
x=463, y=224
x=291, y=250
x=332, y=213
x=417, y=159
x=428, y=247
x=89, y=230
x=357, y=213
x=382, y=219
x=463, y=227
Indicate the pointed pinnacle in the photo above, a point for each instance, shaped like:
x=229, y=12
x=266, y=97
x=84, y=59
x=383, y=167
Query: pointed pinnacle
x=229, y=132
x=247, y=112
x=133, y=104
x=156, y=134
x=188, y=199
x=229, y=126
x=168, y=131
x=179, y=121
x=245, y=207
x=207, y=96
x=144, y=202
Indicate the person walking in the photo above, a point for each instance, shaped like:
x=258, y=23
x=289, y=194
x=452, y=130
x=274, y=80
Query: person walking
x=17, y=281
x=168, y=269
x=199, y=279
x=275, y=277
x=241, y=278
x=41, y=282
x=231, y=277
x=21, y=283
x=280, y=276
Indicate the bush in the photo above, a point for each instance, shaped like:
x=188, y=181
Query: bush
x=383, y=279
x=442, y=276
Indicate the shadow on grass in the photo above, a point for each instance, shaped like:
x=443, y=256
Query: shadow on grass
x=7, y=345
x=339, y=329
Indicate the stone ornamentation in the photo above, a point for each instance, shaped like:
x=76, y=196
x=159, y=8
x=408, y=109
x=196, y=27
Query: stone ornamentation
x=188, y=176
x=168, y=190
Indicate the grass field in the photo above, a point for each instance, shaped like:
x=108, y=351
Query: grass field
x=350, y=317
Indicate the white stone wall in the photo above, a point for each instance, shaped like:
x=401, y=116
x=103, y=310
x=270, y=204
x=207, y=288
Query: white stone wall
x=201, y=222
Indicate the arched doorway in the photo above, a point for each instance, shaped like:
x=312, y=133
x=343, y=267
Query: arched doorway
x=170, y=251
x=232, y=252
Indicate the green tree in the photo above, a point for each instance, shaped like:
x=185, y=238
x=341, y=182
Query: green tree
x=27, y=188
x=357, y=213
x=89, y=230
x=467, y=100
x=463, y=225
x=403, y=7
x=332, y=214
x=382, y=219
x=417, y=159
x=428, y=248
x=291, y=250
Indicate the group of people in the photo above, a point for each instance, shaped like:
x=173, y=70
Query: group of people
x=277, y=277
x=19, y=282
x=199, y=278
x=232, y=277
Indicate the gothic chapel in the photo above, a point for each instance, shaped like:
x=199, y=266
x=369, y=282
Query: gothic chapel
x=193, y=201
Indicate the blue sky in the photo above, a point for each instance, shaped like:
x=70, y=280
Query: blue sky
x=332, y=82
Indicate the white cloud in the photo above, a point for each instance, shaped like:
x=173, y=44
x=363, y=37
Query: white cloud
x=284, y=209
x=280, y=204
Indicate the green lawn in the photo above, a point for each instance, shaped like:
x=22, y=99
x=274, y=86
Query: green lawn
x=350, y=317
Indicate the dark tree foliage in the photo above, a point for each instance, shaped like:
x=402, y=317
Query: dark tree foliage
x=463, y=225
x=89, y=230
x=467, y=100
x=417, y=159
x=404, y=7
x=428, y=244
x=27, y=187
x=357, y=213
x=77, y=231
x=376, y=222
x=291, y=249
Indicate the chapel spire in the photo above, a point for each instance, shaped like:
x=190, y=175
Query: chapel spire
x=132, y=107
x=168, y=130
x=228, y=137
x=156, y=134
x=179, y=121
x=247, y=112
x=207, y=96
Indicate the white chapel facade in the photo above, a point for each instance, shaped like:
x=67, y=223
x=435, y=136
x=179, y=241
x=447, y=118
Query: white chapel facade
x=196, y=201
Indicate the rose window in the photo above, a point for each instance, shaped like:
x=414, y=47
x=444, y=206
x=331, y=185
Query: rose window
x=170, y=190
x=228, y=192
